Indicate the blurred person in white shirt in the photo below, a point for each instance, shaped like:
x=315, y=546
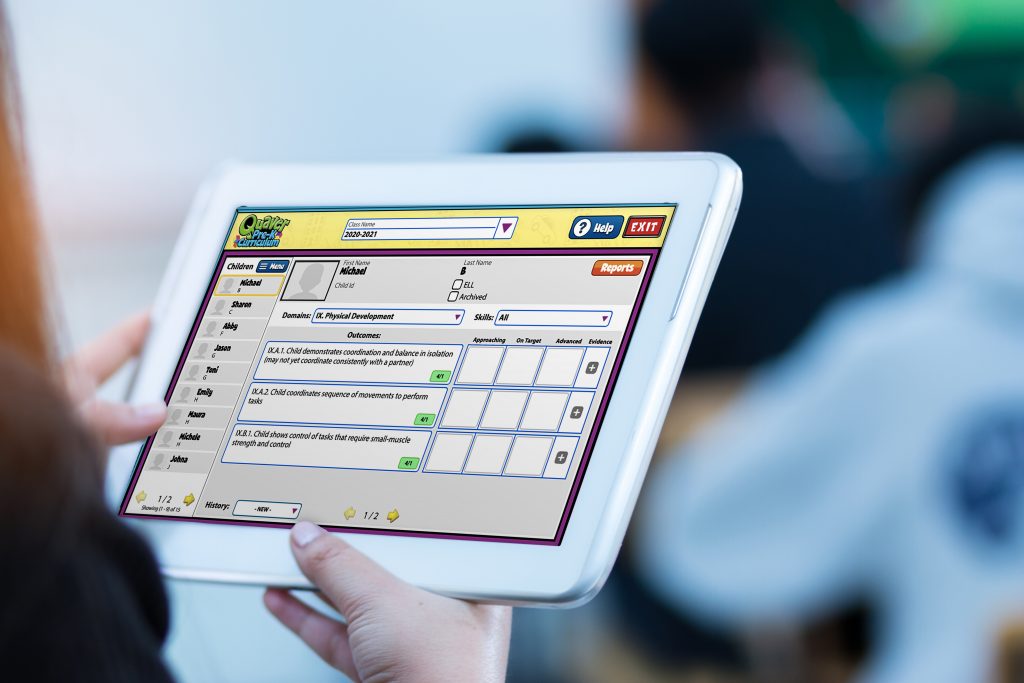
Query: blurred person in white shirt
x=882, y=457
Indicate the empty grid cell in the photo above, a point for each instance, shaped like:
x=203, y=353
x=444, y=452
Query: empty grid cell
x=561, y=457
x=504, y=409
x=488, y=454
x=480, y=364
x=576, y=412
x=520, y=365
x=529, y=455
x=558, y=369
x=544, y=410
x=592, y=367
x=448, y=453
x=464, y=408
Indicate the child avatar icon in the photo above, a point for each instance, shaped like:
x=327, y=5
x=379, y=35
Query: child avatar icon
x=311, y=278
x=193, y=373
x=227, y=285
x=175, y=417
x=165, y=438
x=218, y=308
x=184, y=394
x=157, y=461
x=211, y=327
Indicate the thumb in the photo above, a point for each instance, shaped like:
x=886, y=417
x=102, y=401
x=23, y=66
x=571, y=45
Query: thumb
x=350, y=580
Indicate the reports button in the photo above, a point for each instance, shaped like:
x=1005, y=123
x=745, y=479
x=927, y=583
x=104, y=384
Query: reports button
x=604, y=267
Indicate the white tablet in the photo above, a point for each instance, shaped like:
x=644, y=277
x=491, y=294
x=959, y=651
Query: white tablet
x=462, y=367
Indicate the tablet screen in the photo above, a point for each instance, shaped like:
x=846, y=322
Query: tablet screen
x=439, y=371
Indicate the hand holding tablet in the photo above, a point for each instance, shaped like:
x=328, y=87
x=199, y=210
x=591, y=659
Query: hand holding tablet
x=383, y=615
x=463, y=367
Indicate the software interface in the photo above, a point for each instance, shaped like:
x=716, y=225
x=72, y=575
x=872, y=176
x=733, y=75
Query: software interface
x=435, y=371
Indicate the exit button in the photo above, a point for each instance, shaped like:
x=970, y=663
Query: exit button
x=644, y=226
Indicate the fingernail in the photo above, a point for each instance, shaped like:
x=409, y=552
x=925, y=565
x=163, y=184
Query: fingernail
x=150, y=411
x=305, y=533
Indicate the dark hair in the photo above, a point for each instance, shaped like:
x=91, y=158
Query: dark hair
x=84, y=599
x=51, y=486
x=535, y=141
x=706, y=51
x=974, y=133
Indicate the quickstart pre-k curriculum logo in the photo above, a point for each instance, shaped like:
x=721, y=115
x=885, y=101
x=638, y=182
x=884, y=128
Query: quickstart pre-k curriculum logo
x=260, y=233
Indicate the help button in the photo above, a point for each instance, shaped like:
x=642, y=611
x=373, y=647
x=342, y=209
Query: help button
x=595, y=227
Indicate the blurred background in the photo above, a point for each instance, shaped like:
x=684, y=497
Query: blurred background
x=838, y=494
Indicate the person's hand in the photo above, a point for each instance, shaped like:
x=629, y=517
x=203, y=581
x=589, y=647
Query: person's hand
x=92, y=365
x=395, y=632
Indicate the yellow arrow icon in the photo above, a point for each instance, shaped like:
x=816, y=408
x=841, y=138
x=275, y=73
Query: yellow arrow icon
x=350, y=512
x=140, y=496
x=189, y=499
x=393, y=515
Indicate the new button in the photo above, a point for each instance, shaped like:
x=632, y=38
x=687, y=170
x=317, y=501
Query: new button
x=595, y=227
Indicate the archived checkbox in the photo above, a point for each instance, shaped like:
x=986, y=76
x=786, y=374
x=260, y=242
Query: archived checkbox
x=453, y=296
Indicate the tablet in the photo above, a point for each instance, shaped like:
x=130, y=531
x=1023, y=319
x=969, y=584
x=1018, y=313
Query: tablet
x=462, y=367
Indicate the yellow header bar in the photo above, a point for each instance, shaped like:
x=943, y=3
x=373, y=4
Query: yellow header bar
x=492, y=228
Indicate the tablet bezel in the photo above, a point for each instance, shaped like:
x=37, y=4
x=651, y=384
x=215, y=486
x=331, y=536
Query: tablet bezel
x=705, y=188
